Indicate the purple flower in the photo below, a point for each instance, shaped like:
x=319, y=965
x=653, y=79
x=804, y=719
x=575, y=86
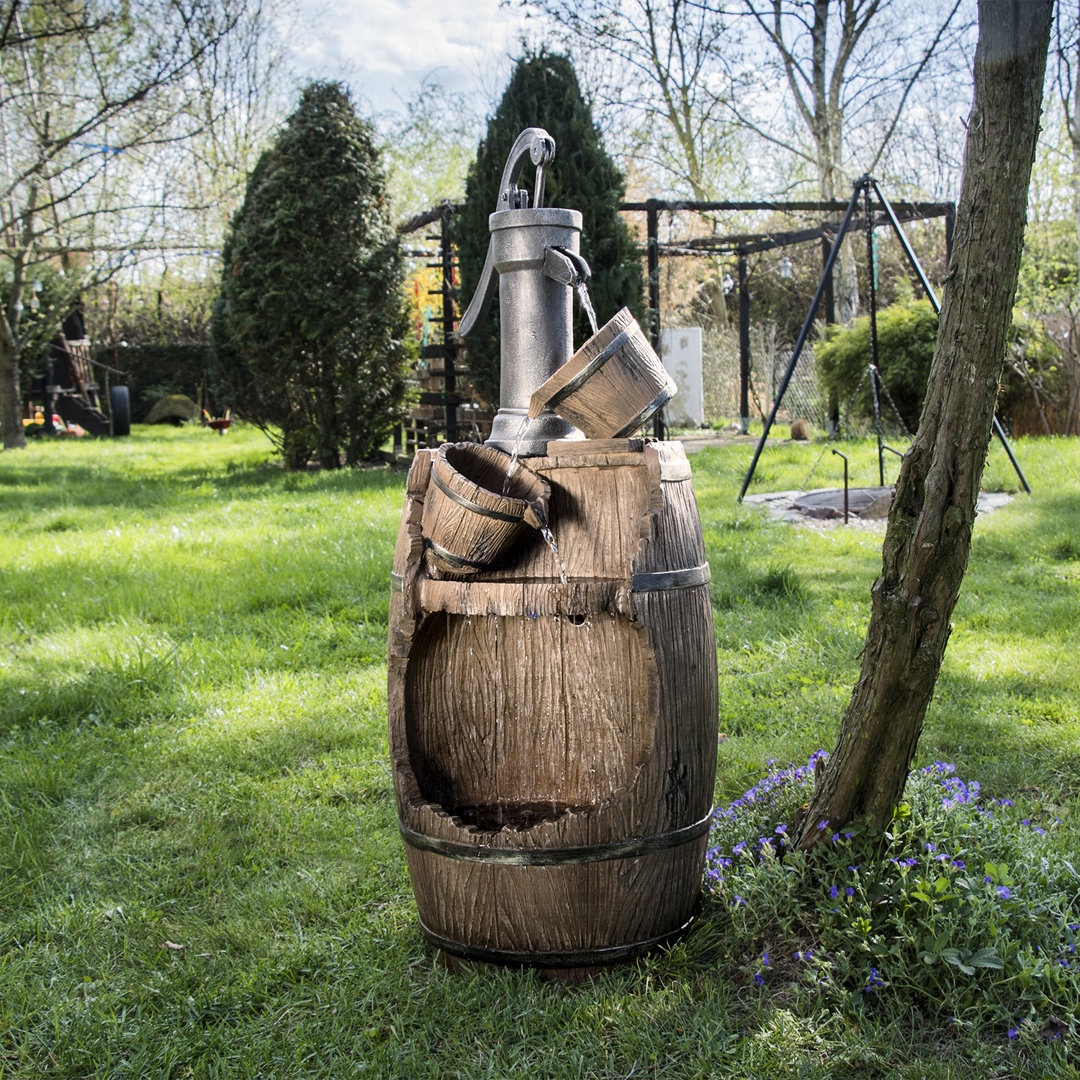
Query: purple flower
x=1003, y=892
x=850, y=891
x=1013, y=1033
x=833, y=891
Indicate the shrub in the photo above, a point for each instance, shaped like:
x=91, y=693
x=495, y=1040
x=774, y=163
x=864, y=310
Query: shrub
x=907, y=334
x=309, y=328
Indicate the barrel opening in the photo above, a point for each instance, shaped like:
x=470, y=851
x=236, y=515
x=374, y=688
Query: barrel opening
x=513, y=721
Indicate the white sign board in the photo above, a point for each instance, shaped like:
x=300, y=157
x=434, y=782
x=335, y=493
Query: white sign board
x=681, y=351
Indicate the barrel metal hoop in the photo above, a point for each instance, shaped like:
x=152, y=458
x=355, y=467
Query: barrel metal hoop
x=572, y=856
x=657, y=402
x=671, y=579
x=590, y=369
x=451, y=559
x=571, y=958
x=397, y=581
x=475, y=507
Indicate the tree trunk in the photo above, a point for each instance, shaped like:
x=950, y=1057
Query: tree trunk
x=11, y=427
x=929, y=532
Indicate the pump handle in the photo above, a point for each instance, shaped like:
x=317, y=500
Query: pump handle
x=538, y=145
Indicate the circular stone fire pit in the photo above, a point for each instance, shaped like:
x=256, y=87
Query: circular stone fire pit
x=868, y=507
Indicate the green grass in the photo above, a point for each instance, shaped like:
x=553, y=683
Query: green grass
x=200, y=873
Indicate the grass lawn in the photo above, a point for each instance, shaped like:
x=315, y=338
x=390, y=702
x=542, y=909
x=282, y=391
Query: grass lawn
x=200, y=871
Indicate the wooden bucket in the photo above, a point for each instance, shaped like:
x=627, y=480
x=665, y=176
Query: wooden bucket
x=611, y=386
x=554, y=746
x=468, y=523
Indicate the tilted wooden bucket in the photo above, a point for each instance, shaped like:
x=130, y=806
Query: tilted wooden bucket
x=468, y=523
x=611, y=385
x=554, y=746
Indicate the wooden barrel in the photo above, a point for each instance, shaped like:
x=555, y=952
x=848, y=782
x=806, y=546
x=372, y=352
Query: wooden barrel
x=611, y=385
x=554, y=745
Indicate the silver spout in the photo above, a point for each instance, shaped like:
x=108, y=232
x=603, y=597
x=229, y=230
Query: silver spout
x=566, y=267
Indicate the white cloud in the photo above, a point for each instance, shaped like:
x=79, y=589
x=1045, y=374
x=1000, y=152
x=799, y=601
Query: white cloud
x=385, y=49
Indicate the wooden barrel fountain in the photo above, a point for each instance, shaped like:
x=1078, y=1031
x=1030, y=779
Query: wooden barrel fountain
x=554, y=745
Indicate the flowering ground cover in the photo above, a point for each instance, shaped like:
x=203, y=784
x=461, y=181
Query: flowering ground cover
x=966, y=910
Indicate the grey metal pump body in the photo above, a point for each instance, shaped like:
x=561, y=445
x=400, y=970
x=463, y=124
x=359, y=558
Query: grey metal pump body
x=536, y=254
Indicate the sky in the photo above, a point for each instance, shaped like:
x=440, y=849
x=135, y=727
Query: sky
x=384, y=49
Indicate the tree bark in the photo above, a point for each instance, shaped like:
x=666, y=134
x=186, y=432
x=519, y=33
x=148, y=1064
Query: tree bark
x=928, y=537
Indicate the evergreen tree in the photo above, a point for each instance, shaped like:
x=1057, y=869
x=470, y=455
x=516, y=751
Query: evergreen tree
x=310, y=325
x=543, y=92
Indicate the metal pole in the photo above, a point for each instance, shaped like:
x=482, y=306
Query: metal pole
x=999, y=431
x=950, y=223
x=874, y=370
x=805, y=332
x=844, y=456
x=877, y=426
x=830, y=319
x=652, y=231
x=449, y=342
x=744, y=344
x=912, y=258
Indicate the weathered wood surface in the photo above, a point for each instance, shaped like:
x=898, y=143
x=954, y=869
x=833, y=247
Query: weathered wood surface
x=531, y=716
x=468, y=521
x=610, y=395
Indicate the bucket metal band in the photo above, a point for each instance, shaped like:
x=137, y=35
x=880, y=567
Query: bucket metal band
x=618, y=342
x=570, y=856
x=475, y=507
x=451, y=559
x=570, y=958
x=657, y=402
x=397, y=582
x=671, y=579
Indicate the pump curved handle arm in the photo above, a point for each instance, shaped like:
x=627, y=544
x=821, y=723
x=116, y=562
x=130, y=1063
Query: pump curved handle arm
x=538, y=145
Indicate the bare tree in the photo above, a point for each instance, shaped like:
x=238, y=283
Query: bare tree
x=928, y=537
x=104, y=108
x=838, y=58
x=1067, y=80
x=659, y=66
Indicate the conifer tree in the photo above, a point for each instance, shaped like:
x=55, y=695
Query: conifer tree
x=543, y=92
x=310, y=325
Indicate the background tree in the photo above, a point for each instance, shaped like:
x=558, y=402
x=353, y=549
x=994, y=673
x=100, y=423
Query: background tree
x=543, y=92
x=661, y=68
x=826, y=60
x=109, y=118
x=928, y=537
x=309, y=329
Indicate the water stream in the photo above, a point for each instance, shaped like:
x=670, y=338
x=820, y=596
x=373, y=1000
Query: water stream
x=586, y=303
x=512, y=467
x=549, y=536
